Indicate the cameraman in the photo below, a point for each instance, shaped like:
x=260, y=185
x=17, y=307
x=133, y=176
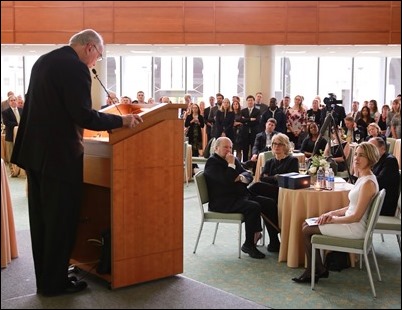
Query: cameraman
x=334, y=106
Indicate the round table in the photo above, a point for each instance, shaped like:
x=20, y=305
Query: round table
x=294, y=206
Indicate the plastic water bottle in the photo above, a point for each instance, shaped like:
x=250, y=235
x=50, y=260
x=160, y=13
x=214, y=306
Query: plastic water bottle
x=326, y=178
x=321, y=177
x=331, y=179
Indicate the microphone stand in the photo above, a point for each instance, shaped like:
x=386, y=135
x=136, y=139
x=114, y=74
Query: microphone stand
x=107, y=93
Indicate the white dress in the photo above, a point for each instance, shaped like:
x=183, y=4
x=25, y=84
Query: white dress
x=355, y=230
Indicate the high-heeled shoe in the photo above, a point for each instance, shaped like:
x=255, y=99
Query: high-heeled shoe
x=305, y=278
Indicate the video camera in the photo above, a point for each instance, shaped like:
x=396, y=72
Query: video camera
x=330, y=101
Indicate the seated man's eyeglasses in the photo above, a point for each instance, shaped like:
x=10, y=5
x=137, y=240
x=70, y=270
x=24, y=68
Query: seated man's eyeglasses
x=100, y=57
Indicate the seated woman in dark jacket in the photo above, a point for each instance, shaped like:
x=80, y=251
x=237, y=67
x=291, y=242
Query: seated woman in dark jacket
x=283, y=162
x=310, y=141
x=373, y=131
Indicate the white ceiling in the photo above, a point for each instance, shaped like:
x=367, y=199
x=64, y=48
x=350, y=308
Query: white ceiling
x=217, y=50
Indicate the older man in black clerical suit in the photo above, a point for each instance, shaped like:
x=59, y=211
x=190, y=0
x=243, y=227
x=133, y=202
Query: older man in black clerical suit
x=49, y=146
x=387, y=172
x=227, y=184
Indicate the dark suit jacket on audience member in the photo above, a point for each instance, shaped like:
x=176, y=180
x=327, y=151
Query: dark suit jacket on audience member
x=280, y=120
x=222, y=190
x=387, y=172
x=260, y=143
x=10, y=121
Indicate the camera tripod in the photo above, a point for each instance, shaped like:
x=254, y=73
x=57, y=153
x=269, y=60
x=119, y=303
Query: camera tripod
x=329, y=123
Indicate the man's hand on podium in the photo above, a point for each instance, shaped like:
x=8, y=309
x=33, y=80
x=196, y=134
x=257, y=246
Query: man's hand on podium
x=131, y=120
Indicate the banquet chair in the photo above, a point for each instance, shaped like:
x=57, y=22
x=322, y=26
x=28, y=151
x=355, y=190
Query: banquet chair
x=357, y=246
x=390, y=225
x=390, y=145
x=214, y=217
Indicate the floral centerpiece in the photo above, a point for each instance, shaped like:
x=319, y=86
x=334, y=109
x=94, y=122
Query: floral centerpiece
x=316, y=162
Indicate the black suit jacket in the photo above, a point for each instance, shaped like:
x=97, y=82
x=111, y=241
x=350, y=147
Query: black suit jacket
x=223, y=191
x=387, y=172
x=58, y=106
x=278, y=115
x=10, y=121
x=260, y=143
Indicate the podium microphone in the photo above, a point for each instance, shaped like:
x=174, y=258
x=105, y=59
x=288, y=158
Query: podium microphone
x=107, y=93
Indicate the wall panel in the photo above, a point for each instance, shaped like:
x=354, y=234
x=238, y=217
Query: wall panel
x=144, y=19
x=48, y=19
x=250, y=20
x=199, y=19
x=100, y=19
x=206, y=22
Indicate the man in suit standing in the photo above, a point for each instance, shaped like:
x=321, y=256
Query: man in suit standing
x=250, y=117
x=387, y=172
x=262, y=143
x=355, y=113
x=11, y=118
x=227, y=184
x=208, y=124
x=49, y=146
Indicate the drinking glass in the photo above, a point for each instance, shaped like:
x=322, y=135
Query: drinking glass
x=292, y=147
x=302, y=168
x=357, y=137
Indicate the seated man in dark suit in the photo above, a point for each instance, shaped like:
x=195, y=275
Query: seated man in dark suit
x=262, y=143
x=387, y=172
x=227, y=184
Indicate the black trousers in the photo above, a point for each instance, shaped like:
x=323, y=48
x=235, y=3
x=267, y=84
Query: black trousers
x=54, y=208
x=252, y=207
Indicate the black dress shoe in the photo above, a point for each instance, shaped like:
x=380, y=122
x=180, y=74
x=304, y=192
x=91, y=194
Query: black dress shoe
x=70, y=288
x=273, y=248
x=75, y=287
x=252, y=251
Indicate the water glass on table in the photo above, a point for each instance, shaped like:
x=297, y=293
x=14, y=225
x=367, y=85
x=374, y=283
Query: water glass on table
x=357, y=137
x=302, y=168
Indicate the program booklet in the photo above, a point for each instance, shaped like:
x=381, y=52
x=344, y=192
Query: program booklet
x=312, y=221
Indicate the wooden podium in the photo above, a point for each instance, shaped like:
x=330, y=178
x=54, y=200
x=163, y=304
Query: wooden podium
x=133, y=185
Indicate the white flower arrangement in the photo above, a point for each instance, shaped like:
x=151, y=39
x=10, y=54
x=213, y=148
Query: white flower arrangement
x=317, y=161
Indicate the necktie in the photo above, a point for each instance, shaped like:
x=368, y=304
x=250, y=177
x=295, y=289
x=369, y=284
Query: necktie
x=354, y=115
x=249, y=111
x=17, y=114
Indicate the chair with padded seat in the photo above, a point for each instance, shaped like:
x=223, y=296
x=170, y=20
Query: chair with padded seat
x=357, y=246
x=390, y=225
x=213, y=217
x=390, y=145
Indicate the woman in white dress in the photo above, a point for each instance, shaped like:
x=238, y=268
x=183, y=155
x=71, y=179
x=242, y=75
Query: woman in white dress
x=348, y=222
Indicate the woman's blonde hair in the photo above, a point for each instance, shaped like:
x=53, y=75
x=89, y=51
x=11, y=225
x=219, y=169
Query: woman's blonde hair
x=284, y=139
x=371, y=152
